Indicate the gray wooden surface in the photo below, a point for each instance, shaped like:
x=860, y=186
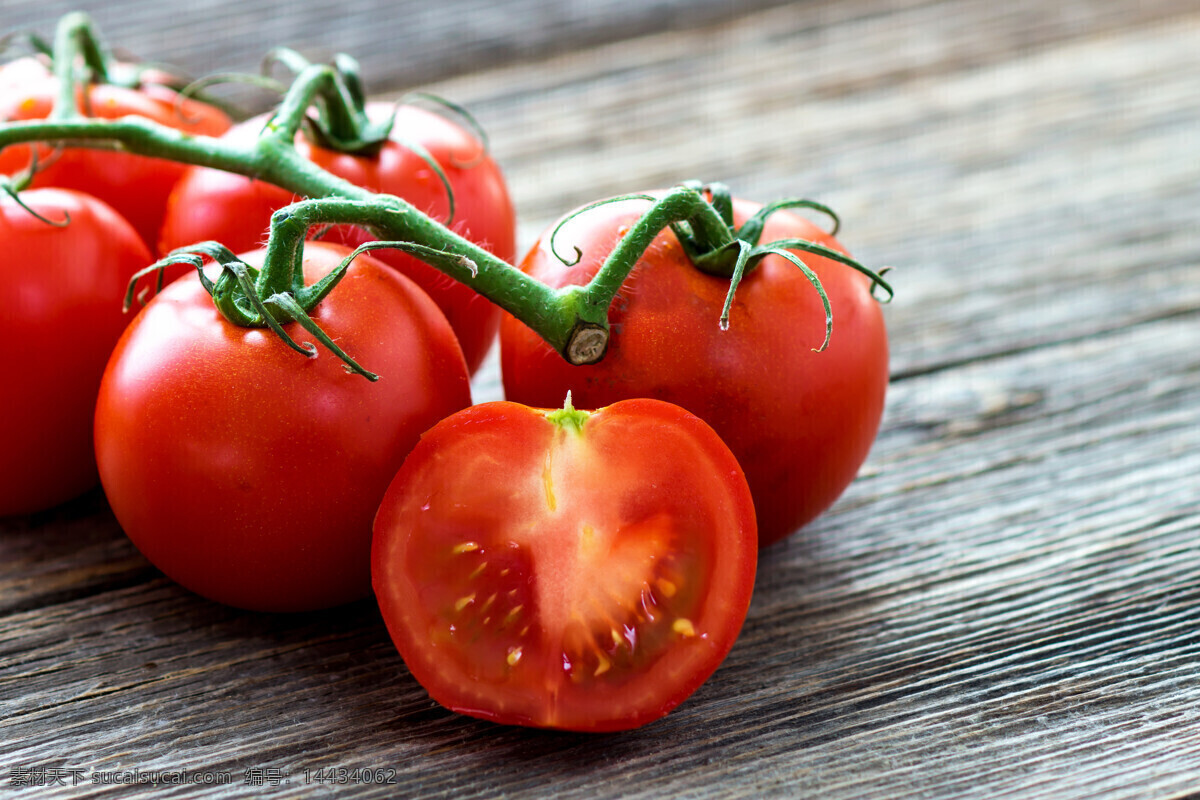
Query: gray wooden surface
x=1005, y=604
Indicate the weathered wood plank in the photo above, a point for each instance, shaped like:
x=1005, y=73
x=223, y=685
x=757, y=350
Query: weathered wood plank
x=1006, y=603
x=945, y=608
x=399, y=44
x=71, y=551
x=1050, y=195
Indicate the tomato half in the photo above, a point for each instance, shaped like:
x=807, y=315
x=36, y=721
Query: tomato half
x=562, y=569
x=209, y=204
x=136, y=186
x=61, y=288
x=800, y=422
x=251, y=474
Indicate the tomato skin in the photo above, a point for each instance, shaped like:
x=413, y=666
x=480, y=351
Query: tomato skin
x=231, y=209
x=249, y=473
x=540, y=575
x=800, y=422
x=136, y=186
x=61, y=292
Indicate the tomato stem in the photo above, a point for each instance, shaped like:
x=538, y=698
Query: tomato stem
x=681, y=205
x=75, y=38
x=12, y=186
x=342, y=123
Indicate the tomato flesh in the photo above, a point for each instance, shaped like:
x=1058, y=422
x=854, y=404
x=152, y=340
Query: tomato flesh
x=540, y=574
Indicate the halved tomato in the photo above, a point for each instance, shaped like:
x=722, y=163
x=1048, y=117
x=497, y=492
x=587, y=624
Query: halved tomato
x=566, y=569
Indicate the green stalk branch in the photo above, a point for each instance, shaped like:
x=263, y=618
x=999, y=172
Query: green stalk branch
x=573, y=320
x=72, y=37
x=276, y=161
x=704, y=235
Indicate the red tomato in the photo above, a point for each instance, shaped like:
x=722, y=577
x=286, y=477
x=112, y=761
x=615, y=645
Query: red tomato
x=136, y=186
x=562, y=569
x=209, y=204
x=61, y=289
x=799, y=422
x=251, y=474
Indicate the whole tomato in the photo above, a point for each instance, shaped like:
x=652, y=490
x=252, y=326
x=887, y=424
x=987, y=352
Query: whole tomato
x=565, y=569
x=236, y=211
x=62, y=281
x=136, y=186
x=800, y=422
x=250, y=474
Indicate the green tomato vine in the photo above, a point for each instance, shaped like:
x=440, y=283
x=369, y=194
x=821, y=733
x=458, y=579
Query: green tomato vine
x=573, y=320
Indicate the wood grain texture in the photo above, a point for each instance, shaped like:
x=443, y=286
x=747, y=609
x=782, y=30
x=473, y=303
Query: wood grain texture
x=1006, y=603
x=402, y=43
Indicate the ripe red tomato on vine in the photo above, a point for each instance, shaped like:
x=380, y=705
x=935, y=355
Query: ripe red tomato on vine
x=799, y=421
x=136, y=186
x=210, y=204
x=566, y=569
x=69, y=258
x=250, y=474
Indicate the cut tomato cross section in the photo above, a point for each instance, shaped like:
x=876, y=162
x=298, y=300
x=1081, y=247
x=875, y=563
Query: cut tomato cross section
x=566, y=569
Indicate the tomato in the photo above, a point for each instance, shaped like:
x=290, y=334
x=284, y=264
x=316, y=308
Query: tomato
x=136, y=186
x=800, y=422
x=562, y=569
x=61, y=292
x=251, y=474
x=209, y=204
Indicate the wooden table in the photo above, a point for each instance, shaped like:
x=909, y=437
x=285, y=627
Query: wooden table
x=1007, y=601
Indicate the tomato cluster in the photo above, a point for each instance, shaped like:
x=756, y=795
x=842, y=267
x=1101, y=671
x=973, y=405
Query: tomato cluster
x=535, y=563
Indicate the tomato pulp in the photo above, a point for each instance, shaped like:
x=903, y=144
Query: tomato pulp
x=236, y=211
x=562, y=569
x=61, y=291
x=800, y=422
x=251, y=474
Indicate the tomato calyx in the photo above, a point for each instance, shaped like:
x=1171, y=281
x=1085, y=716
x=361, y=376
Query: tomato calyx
x=339, y=121
x=246, y=297
x=701, y=217
x=277, y=294
x=10, y=188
